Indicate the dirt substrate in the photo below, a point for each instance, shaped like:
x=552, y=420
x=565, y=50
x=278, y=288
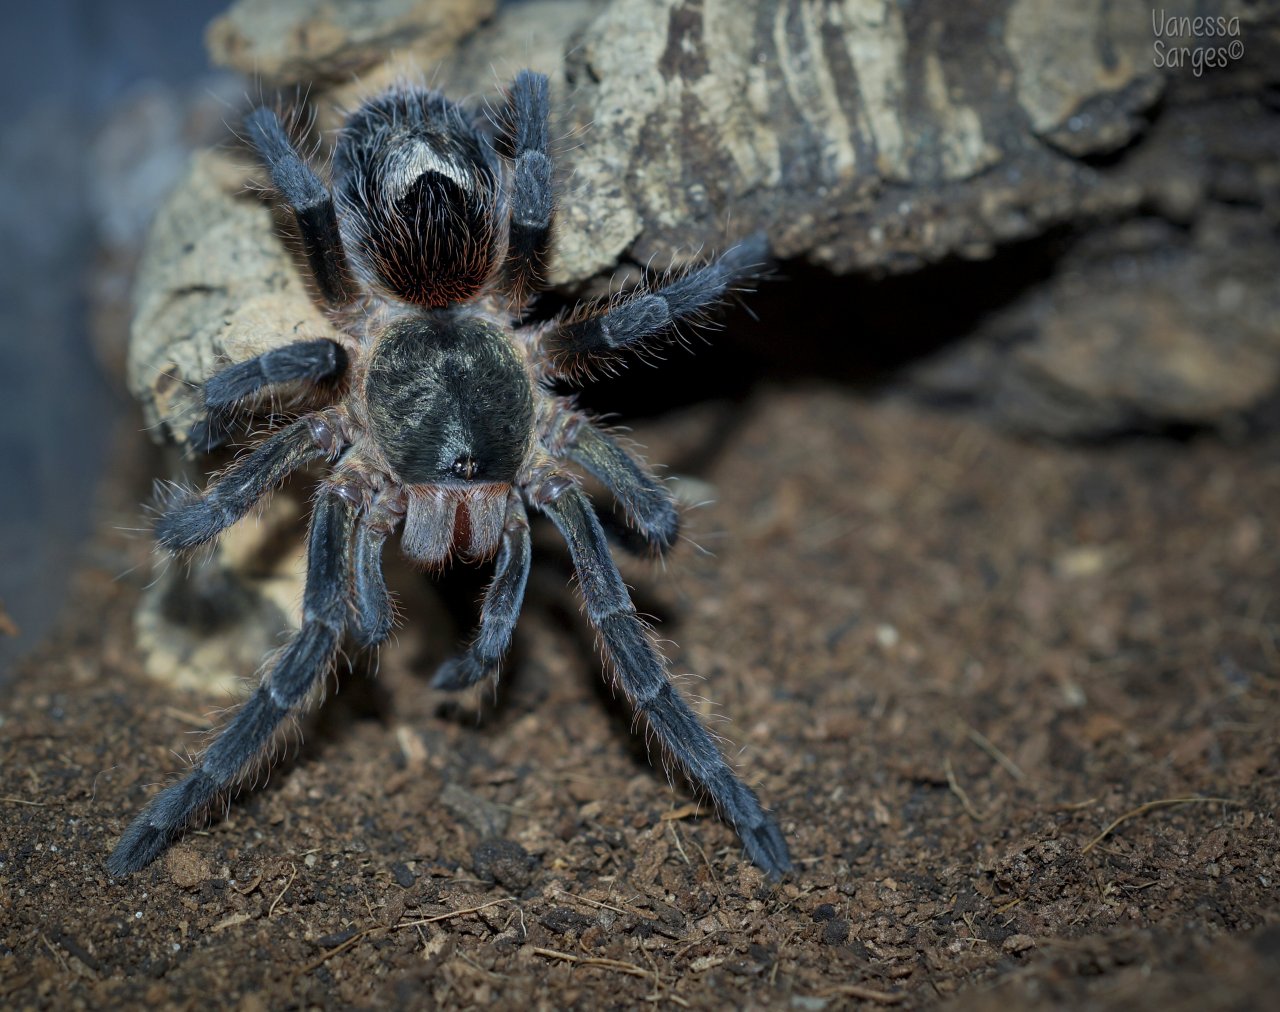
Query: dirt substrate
x=1015, y=706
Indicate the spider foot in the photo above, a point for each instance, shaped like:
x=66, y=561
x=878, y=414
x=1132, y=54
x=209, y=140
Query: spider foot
x=766, y=847
x=148, y=835
x=461, y=672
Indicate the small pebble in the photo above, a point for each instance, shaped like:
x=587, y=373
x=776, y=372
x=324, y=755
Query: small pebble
x=502, y=861
x=836, y=932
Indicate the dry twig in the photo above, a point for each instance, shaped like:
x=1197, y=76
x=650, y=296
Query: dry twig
x=272, y=909
x=989, y=747
x=1151, y=806
x=366, y=932
x=960, y=793
x=631, y=969
x=864, y=993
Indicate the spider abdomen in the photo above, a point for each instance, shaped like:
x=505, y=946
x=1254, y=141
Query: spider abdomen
x=450, y=402
x=419, y=198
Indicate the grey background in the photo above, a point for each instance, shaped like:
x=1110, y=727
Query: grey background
x=64, y=65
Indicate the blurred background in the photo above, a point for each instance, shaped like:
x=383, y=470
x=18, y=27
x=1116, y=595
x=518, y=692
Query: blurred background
x=95, y=129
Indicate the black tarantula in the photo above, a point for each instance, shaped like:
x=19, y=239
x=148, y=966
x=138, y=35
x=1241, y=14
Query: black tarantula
x=446, y=426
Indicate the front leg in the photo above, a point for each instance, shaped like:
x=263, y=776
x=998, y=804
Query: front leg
x=311, y=203
x=532, y=198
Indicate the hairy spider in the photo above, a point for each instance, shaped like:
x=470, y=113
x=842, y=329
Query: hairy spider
x=443, y=423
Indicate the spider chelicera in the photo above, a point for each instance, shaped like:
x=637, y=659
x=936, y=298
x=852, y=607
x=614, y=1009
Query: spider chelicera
x=443, y=423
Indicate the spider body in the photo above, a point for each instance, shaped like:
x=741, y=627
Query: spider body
x=450, y=401
x=442, y=424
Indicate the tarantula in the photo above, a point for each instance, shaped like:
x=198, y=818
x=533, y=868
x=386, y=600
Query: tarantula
x=443, y=423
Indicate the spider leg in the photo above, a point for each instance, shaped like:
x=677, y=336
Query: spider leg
x=532, y=198
x=311, y=203
x=501, y=609
x=316, y=361
x=194, y=518
x=374, y=615
x=642, y=673
x=301, y=665
x=648, y=505
x=603, y=328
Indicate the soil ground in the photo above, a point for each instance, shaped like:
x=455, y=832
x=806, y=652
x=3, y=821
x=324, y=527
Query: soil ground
x=1014, y=704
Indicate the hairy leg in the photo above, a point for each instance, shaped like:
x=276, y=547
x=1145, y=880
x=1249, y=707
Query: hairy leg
x=648, y=505
x=532, y=198
x=642, y=674
x=601, y=330
x=374, y=614
x=315, y=361
x=301, y=665
x=194, y=518
x=501, y=609
x=311, y=203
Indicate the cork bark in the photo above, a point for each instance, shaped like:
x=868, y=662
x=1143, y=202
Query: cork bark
x=867, y=138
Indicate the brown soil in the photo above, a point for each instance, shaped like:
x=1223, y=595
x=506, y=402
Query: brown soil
x=1015, y=706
